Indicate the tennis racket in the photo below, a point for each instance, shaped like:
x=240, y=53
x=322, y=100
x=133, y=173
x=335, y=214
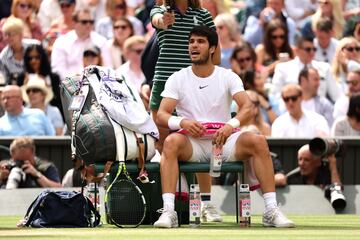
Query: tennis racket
x=125, y=204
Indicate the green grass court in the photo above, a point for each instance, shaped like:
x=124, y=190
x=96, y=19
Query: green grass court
x=327, y=227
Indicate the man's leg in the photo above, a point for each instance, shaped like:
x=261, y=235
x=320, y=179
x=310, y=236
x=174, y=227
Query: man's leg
x=176, y=147
x=255, y=146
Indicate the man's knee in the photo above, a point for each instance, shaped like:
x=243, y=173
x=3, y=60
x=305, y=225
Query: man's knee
x=252, y=141
x=172, y=144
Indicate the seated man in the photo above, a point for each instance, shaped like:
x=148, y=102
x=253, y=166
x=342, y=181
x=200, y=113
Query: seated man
x=203, y=92
x=19, y=120
x=318, y=170
x=27, y=170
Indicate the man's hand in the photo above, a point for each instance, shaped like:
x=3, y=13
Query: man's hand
x=221, y=135
x=194, y=128
x=29, y=169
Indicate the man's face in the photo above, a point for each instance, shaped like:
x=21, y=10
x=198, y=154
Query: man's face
x=323, y=37
x=13, y=38
x=11, y=100
x=353, y=82
x=307, y=162
x=24, y=154
x=199, y=50
x=307, y=52
x=292, y=99
x=276, y=5
x=314, y=82
x=84, y=25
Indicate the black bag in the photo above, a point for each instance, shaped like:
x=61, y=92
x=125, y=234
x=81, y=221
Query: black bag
x=61, y=209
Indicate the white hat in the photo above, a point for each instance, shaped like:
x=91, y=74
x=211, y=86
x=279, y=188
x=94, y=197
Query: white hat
x=36, y=82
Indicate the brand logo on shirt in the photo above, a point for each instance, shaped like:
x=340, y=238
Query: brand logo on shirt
x=201, y=87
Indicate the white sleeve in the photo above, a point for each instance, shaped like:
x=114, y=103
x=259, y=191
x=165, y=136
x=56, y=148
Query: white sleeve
x=276, y=130
x=171, y=89
x=58, y=59
x=321, y=127
x=235, y=83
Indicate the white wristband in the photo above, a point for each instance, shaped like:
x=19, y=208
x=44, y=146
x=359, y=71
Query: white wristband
x=234, y=122
x=174, y=122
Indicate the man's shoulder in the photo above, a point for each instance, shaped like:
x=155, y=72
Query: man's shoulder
x=284, y=66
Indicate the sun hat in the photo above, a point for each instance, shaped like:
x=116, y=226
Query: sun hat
x=36, y=82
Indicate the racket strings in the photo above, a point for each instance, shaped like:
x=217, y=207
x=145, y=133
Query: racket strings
x=126, y=205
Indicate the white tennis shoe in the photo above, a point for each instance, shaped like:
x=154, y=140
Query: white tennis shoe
x=275, y=218
x=168, y=219
x=210, y=214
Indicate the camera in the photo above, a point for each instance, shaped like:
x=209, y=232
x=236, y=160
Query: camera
x=335, y=195
x=324, y=146
x=15, y=163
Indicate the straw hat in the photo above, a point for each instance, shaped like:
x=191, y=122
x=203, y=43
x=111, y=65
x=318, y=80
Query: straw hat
x=35, y=82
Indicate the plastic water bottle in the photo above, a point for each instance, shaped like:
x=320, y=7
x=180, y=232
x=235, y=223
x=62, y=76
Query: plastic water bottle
x=194, y=205
x=244, y=205
x=215, y=161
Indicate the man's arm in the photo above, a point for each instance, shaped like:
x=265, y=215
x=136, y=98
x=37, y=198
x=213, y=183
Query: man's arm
x=166, y=120
x=335, y=178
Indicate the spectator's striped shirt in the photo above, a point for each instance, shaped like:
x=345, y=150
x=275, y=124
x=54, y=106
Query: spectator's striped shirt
x=173, y=42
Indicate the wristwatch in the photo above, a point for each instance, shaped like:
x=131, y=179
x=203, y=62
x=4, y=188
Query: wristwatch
x=38, y=175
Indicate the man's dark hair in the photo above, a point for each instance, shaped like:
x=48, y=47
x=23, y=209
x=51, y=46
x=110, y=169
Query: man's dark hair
x=324, y=24
x=207, y=32
x=304, y=73
x=300, y=41
x=354, y=107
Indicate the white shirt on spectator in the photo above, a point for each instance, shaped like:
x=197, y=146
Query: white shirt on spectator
x=136, y=79
x=311, y=124
x=296, y=10
x=327, y=54
x=288, y=72
x=68, y=49
x=49, y=12
x=341, y=107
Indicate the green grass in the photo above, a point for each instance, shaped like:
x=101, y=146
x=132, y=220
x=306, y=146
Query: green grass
x=327, y=227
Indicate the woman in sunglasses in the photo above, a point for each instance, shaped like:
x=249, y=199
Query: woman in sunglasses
x=116, y=9
x=24, y=10
x=123, y=29
x=275, y=47
x=347, y=57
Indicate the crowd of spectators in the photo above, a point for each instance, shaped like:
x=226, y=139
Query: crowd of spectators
x=300, y=60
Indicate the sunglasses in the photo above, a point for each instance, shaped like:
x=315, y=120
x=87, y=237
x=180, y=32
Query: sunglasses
x=122, y=27
x=292, y=98
x=309, y=49
x=352, y=82
x=33, y=90
x=352, y=49
x=241, y=60
x=65, y=5
x=90, y=54
x=120, y=6
x=274, y=37
x=137, y=51
x=323, y=2
x=24, y=5
x=34, y=58
x=84, y=22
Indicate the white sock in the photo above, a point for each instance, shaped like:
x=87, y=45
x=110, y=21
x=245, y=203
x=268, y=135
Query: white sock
x=205, y=198
x=269, y=200
x=169, y=201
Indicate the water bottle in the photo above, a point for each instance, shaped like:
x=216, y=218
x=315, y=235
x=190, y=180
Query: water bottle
x=244, y=205
x=194, y=205
x=215, y=161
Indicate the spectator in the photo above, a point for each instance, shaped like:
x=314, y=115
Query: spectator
x=31, y=171
x=309, y=81
x=347, y=58
x=96, y=7
x=12, y=56
x=19, y=120
x=244, y=59
x=220, y=86
x=297, y=122
x=275, y=47
x=2, y=85
x=38, y=95
x=326, y=8
x=255, y=26
x=288, y=72
x=131, y=69
x=173, y=45
x=299, y=10
x=342, y=105
x=67, y=53
x=324, y=41
x=316, y=170
x=350, y=124
x=37, y=63
x=92, y=56
x=60, y=26
x=114, y=10
x=123, y=29
x=214, y=7
x=228, y=31
x=24, y=10
x=5, y=166
x=46, y=16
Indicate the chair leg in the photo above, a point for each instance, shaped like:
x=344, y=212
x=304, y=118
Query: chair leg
x=237, y=198
x=179, y=215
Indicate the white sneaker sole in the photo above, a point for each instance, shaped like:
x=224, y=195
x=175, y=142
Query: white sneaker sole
x=289, y=225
